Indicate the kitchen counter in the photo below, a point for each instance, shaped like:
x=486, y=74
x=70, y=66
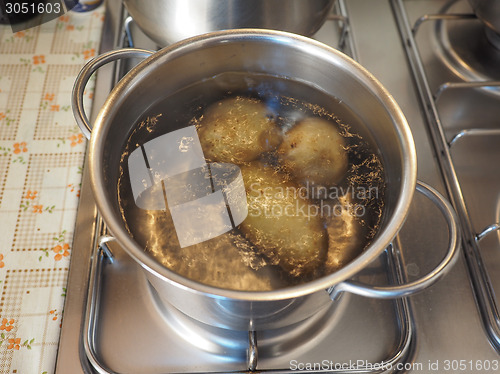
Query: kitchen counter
x=41, y=158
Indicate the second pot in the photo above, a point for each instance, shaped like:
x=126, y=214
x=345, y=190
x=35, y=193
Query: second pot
x=168, y=21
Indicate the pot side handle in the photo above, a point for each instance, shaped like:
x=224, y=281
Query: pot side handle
x=85, y=74
x=391, y=292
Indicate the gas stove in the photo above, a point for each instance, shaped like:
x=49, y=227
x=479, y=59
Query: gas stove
x=115, y=323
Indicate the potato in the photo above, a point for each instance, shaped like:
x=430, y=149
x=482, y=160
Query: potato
x=313, y=151
x=285, y=227
x=237, y=130
x=216, y=262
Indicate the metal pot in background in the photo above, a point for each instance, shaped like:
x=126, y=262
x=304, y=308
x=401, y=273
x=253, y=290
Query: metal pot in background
x=168, y=21
x=281, y=54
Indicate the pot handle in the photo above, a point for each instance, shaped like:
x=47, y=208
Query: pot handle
x=391, y=292
x=84, y=76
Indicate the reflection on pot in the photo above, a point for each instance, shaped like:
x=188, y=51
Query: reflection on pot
x=204, y=200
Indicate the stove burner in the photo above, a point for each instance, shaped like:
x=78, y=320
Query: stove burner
x=467, y=47
x=270, y=343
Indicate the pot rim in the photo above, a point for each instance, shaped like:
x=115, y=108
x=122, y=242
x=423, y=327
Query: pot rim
x=383, y=239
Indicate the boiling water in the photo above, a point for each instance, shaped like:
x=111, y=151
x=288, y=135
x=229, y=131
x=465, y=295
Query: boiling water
x=354, y=207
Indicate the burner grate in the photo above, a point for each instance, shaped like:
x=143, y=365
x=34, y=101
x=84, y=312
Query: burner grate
x=108, y=266
x=484, y=291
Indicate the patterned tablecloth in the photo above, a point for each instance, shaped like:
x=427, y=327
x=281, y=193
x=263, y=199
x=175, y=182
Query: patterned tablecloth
x=41, y=159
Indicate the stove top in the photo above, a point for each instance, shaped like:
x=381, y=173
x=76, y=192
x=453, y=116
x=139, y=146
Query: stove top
x=114, y=323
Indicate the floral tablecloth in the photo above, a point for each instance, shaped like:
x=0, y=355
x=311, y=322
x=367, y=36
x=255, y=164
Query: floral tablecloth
x=41, y=159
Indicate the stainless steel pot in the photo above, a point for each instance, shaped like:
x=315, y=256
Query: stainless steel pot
x=168, y=21
x=271, y=52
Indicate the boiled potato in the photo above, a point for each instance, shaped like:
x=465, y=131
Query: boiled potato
x=313, y=151
x=285, y=227
x=215, y=262
x=237, y=130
